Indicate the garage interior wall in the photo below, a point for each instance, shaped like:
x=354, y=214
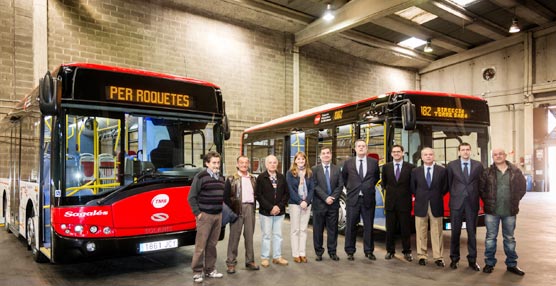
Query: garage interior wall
x=525, y=79
x=252, y=65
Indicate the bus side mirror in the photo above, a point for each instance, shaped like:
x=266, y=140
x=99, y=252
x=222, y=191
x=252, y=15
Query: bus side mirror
x=408, y=116
x=226, y=127
x=47, y=95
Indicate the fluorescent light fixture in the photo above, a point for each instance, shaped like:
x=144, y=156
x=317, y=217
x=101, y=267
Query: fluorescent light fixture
x=416, y=15
x=328, y=15
x=412, y=43
x=514, y=28
x=463, y=3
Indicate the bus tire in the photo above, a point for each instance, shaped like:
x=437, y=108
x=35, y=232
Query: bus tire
x=4, y=212
x=38, y=256
x=342, y=214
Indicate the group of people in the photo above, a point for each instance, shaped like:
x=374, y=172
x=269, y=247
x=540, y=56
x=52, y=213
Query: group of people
x=317, y=190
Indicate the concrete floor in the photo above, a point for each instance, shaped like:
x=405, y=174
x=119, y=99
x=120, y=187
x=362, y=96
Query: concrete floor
x=535, y=235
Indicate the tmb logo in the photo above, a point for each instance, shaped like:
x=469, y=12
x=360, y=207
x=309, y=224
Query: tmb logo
x=160, y=201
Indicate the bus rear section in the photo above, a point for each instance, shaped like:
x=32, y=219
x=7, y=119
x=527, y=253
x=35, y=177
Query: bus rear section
x=102, y=163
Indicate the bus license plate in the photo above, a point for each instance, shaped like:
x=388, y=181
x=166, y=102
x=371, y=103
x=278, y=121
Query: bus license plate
x=158, y=245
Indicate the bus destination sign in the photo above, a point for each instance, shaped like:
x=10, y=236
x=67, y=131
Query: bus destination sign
x=443, y=112
x=150, y=97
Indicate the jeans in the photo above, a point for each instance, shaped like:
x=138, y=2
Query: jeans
x=492, y=223
x=271, y=226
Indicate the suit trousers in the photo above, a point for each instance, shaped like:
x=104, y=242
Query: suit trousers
x=299, y=220
x=457, y=216
x=393, y=218
x=245, y=222
x=421, y=225
x=353, y=216
x=325, y=218
x=208, y=232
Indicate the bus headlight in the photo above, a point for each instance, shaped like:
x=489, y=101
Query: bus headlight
x=90, y=246
x=78, y=228
x=106, y=230
x=93, y=229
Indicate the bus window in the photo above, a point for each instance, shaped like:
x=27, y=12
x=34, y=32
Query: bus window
x=258, y=150
x=344, y=143
x=373, y=134
x=196, y=144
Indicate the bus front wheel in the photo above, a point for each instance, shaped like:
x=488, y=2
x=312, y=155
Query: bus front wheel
x=342, y=215
x=30, y=234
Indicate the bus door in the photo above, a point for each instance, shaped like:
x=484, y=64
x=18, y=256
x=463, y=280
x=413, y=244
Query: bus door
x=374, y=135
x=14, y=165
x=45, y=186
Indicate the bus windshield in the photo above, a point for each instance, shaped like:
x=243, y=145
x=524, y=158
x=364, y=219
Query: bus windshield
x=444, y=139
x=105, y=153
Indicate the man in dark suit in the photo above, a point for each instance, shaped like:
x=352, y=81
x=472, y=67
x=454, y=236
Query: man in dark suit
x=360, y=175
x=429, y=185
x=464, y=175
x=396, y=177
x=328, y=188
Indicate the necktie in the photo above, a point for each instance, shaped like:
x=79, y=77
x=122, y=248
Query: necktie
x=327, y=176
x=429, y=177
x=361, y=170
x=465, y=171
x=397, y=172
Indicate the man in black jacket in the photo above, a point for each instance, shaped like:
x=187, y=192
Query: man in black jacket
x=429, y=184
x=396, y=179
x=328, y=188
x=502, y=187
x=271, y=191
x=464, y=175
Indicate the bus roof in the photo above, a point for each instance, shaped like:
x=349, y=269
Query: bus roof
x=336, y=106
x=139, y=72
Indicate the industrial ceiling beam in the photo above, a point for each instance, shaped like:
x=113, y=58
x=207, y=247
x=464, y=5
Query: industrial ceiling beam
x=352, y=14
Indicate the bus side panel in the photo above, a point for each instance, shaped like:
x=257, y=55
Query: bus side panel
x=28, y=197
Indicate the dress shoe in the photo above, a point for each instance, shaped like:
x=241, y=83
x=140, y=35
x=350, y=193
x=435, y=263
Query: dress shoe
x=454, y=264
x=252, y=266
x=231, y=269
x=440, y=263
x=297, y=259
x=265, y=263
x=335, y=257
x=389, y=255
x=474, y=266
x=408, y=257
x=422, y=261
x=280, y=261
x=370, y=256
x=303, y=259
x=350, y=257
x=488, y=269
x=516, y=270
x=319, y=258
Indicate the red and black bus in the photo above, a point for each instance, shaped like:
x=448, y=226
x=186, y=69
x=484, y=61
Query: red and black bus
x=413, y=119
x=97, y=161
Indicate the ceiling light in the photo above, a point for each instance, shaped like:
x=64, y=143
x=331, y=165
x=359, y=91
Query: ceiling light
x=428, y=48
x=514, y=28
x=412, y=43
x=328, y=15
